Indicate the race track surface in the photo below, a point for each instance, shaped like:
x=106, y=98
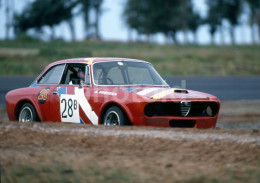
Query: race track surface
x=225, y=88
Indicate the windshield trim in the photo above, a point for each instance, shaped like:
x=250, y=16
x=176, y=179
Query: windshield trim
x=140, y=61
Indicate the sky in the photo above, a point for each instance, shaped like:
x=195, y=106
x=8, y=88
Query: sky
x=113, y=28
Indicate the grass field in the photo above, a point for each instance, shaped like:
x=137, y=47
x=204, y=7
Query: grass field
x=29, y=57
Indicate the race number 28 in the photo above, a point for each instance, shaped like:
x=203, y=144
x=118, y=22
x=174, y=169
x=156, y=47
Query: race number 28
x=69, y=109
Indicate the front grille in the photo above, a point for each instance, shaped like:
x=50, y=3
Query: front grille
x=180, y=109
x=185, y=107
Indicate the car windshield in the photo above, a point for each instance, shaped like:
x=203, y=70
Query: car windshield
x=126, y=73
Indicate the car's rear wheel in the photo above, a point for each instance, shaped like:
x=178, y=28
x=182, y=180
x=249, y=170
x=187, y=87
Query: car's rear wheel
x=114, y=116
x=27, y=113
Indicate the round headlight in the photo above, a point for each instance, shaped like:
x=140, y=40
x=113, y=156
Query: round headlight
x=209, y=111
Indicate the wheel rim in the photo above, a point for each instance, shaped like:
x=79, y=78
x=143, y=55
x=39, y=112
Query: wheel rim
x=26, y=115
x=112, y=119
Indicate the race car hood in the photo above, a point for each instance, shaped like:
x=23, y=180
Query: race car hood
x=158, y=93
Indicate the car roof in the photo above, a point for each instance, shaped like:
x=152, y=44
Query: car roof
x=92, y=60
x=87, y=60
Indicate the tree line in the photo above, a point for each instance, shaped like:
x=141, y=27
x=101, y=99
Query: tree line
x=169, y=17
x=146, y=17
x=51, y=13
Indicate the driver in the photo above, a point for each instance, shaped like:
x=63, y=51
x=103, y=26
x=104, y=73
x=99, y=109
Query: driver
x=81, y=76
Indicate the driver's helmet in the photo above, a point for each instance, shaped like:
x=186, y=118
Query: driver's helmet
x=81, y=75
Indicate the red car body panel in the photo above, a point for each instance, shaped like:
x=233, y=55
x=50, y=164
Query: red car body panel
x=92, y=101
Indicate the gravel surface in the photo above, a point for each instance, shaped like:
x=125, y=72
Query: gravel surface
x=196, y=135
x=57, y=152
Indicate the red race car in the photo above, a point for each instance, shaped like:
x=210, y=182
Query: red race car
x=110, y=91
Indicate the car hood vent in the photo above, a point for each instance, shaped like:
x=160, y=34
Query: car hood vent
x=180, y=91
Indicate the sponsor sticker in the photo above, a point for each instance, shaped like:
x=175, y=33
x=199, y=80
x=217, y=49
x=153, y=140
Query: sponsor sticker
x=107, y=93
x=43, y=95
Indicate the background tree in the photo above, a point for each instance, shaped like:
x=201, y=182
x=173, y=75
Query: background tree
x=177, y=16
x=69, y=6
x=0, y=3
x=191, y=20
x=171, y=22
x=147, y=17
x=194, y=22
x=85, y=10
x=216, y=13
x=171, y=17
x=185, y=6
x=86, y=7
x=44, y=13
x=254, y=16
x=9, y=15
x=232, y=11
x=142, y=16
x=97, y=8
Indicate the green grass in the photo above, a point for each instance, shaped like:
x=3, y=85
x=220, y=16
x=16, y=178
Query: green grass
x=167, y=59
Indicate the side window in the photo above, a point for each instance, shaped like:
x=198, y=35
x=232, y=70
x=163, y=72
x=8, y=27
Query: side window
x=53, y=75
x=76, y=74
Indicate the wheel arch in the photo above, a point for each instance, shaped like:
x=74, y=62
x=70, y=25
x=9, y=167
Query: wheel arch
x=108, y=105
x=19, y=106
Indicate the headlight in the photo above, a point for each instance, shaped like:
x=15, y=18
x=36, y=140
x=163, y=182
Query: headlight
x=209, y=111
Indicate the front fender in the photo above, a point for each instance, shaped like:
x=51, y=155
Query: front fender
x=108, y=104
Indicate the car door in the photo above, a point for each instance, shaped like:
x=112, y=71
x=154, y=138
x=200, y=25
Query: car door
x=47, y=83
x=68, y=100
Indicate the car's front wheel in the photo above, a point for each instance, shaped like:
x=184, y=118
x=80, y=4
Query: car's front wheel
x=27, y=113
x=114, y=117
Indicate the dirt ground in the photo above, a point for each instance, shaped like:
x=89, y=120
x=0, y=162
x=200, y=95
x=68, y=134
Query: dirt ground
x=54, y=152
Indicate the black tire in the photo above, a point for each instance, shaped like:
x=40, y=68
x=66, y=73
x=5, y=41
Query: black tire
x=114, y=116
x=27, y=113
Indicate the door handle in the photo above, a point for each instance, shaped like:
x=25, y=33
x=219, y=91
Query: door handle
x=55, y=92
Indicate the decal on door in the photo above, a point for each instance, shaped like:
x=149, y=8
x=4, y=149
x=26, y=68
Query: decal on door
x=43, y=95
x=69, y=108
x=86, y=107
x=71, y=99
